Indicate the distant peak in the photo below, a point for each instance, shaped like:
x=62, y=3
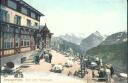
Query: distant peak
x=97, y=33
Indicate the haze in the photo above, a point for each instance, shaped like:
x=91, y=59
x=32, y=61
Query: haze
x=82, y=16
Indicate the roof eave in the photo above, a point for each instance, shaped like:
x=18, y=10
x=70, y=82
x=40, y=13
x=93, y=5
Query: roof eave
x=33, y=8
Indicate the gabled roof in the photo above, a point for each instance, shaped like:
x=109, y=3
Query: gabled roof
x=44, y=28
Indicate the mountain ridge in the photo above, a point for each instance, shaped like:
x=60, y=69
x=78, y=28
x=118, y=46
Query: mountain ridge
x=73, y=38
x=92, y=40
x=112, y=51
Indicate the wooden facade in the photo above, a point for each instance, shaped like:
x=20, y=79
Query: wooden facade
x=16, y=46
x=17, y=32
x=46, y=36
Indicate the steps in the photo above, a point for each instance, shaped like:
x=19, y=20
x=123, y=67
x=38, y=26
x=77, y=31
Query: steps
x=30, y=59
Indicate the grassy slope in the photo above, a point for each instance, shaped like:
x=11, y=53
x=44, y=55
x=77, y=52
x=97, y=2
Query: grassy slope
x=116, y=54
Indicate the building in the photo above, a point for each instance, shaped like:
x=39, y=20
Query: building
x=46, y=37
x=19, y=23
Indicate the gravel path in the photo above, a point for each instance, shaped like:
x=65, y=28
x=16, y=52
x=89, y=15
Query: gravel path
x=41, y=71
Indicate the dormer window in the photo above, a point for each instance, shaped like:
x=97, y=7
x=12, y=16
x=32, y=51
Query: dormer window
x=12, y=4
x=33, y=15
x=24, y=10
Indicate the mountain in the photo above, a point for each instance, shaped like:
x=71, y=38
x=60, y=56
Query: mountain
x=113, y=50
x=91, y=41
x=115, y=38
x=73, y=38
x=63, y=45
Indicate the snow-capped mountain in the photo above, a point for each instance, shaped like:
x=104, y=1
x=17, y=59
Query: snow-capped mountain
x=92, y=40
x=115, y=38
x=73, y=38
x=113, y=50
x=63, y=45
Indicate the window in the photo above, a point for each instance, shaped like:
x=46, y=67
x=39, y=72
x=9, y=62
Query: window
x=17, y=30
x=24, y=10
x=25, y=40
x=8, y=37
x=28, y=23
x=37, y=17
x=8, y=40
x=24, y=31
x=17, y=20
x=33, y=15
x=36, y=24
x=32, y=41
x=18, y=7
x=4, y=2
x=4, y=16
x=12, y=4
x=8, y=29
x=29, y=12
x=0, y=40
x=17, y=40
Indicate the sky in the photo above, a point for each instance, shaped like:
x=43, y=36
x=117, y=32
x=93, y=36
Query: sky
x=82, y=16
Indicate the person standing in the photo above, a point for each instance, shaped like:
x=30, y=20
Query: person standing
x=112, y=70
x=50, y=57
x=42, y=55
x=46, y=57
x=75, y=73
x=108, y=73
x=36, y=59
x=69, y=73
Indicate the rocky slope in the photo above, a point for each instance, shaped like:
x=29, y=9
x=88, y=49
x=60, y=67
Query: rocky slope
x=63, y=45
x=115, y=38
x=91, y=41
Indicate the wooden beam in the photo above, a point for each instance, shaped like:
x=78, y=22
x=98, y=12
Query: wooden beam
x=2, y=43
x=14, y=41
